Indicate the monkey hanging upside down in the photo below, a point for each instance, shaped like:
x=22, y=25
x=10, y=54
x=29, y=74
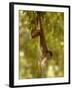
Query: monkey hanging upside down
x=46, y=54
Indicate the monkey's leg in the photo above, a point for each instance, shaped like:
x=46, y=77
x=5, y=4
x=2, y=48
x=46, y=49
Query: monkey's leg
x=42, y=67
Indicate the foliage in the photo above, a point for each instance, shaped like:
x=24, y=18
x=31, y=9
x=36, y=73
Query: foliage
x=29, y=49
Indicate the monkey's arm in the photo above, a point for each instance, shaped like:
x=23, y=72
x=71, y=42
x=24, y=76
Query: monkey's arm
x=35, y=33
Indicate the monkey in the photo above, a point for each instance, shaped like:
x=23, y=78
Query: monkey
x=39, y=32
x=46, y=53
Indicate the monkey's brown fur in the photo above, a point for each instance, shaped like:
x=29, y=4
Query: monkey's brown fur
x=46, y=54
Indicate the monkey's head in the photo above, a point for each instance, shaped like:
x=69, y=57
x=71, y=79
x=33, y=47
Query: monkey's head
x=49, y=54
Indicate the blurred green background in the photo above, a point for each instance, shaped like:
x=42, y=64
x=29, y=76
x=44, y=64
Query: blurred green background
x=29, y=49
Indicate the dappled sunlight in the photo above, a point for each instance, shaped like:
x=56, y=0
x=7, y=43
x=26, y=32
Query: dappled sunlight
x=32, y=62
x=50, y=71
x=21, y=54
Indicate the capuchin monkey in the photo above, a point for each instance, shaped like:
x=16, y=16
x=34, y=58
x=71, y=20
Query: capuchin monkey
x=46, y=53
